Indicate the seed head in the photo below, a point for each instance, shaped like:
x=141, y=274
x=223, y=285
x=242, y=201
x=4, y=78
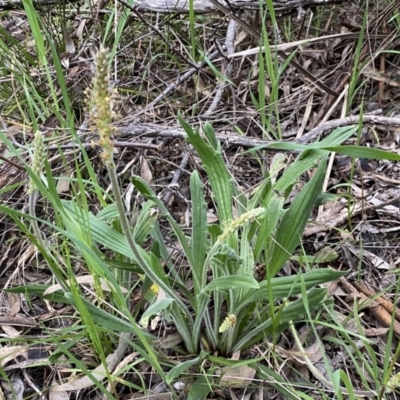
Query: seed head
x=100, y=103
x=39, y=154
x=229, y=322
x=239, y=222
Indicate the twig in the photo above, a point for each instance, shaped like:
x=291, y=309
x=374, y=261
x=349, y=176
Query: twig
x=137, y=130
x=377, y=309
x=175, y=178
x=12, y=163
x=387, y=304
x=117, y=143
x=352, y=120
x=152, y=130
x=228, y=66
x=182, y=6
x=325, y=222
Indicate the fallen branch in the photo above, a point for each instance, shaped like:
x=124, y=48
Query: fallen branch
x=136, y=130
x=182, y=6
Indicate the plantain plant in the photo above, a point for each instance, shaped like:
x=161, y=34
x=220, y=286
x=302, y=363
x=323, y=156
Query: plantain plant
x=226, y=309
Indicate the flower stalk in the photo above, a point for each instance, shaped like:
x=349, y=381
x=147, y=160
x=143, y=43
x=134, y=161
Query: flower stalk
x=101, y=117
x=39, y=154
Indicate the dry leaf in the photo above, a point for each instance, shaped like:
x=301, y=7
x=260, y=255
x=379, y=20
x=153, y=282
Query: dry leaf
x=63, y=185
x=58, y=395
x=10, y=331
x=236, y=377
x=99, y=373
x=128, y=359
x=145, y=171
x=85, y=279
x=169, y=341
x=9, y=353
x=14, y=389
x=14, y=302
x=313, y=352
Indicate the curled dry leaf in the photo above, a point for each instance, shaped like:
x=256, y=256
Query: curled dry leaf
x=145, y=171
x=169, y=341
x=313, y=352
x=17, y=320
x=10, y=331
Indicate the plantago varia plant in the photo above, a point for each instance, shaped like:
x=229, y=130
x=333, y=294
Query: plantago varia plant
x=227, y=309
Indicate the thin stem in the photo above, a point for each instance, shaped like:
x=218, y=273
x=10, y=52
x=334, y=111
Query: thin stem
x=319, y=376
x=184, y=331
x=38, y=235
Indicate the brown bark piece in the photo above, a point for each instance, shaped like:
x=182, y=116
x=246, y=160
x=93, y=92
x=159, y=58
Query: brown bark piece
x=385, y=303
x=376, y=309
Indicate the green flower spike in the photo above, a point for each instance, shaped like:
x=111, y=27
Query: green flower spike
x=239, y=222
x=39, y=154
x=101, y=99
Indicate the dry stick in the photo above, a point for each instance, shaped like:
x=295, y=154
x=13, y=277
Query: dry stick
x=232, y=139
x=182, y=6
x=298, y=44
x=381, y=85
x=153, y=130
x=352, y=120
x=12, y=163
x=204, y=6
x=175, y=178
x=376, y=308
x=332, y=156
x=117, y=143
x=387, y=304
x=322, y=224
x=228, y=66
x=75, y=146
